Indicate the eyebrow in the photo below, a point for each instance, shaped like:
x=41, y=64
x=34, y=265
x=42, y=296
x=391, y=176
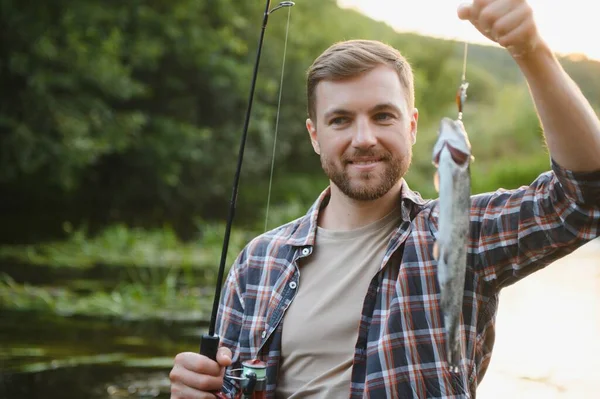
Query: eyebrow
x=378, y=107
x=388, y=106
x=337, y=111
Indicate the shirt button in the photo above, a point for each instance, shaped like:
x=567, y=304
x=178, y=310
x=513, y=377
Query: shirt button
x=293, y=285
x=264, y=334
x=305, y=251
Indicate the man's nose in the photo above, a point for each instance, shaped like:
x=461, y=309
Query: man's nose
x=364, y=136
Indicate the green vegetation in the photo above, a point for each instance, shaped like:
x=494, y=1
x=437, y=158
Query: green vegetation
x=118, y=245
x=129, y=301
x=118, y=119
x=131, y=112
x=161, y=277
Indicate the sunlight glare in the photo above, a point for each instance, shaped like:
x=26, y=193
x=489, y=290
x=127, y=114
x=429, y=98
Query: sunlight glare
x=567, y=27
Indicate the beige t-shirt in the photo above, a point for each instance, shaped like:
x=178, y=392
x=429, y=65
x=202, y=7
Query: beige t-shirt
x=320, y=327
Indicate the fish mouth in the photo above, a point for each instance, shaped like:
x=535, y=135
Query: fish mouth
x=458, y=156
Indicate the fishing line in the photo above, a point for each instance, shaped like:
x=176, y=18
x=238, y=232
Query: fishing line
x=461, y=95
x=464, y=73
x=210, y=341
x=287, y=29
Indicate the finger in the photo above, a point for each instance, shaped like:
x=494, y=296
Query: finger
x=181, y=391
x=201, y=382
x=224, y=356
x=510, y=22
x=464, y=11
x=492, y=13
x=471, y=12
x=198, y=363
x=476, y=8
x=515, y=43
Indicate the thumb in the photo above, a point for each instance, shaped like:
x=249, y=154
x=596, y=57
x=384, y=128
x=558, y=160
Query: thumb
x=464, y=11
x=224, y=357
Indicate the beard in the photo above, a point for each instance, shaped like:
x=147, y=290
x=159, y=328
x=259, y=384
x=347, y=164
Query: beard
x=367, y=186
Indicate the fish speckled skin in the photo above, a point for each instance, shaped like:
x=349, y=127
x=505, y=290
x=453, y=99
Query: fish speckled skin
x=452, y=157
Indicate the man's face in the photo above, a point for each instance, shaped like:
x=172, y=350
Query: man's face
x=364, y=132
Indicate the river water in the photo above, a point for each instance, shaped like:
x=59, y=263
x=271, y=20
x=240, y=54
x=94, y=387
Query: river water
x=548, y=333
x=547, y=344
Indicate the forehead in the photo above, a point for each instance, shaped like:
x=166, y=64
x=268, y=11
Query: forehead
x=361, y=93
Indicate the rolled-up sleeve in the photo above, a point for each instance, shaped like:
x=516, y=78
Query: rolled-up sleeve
x=517, y=232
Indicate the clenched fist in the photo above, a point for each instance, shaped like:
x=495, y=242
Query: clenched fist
x=195, y=376
x=510, y=23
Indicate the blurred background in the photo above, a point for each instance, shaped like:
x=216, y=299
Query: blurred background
x=119, y=130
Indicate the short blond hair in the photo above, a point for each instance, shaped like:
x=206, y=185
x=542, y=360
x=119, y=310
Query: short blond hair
x=350, y=58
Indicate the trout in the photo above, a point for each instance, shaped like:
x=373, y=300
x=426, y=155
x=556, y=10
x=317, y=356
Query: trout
x=452, y=158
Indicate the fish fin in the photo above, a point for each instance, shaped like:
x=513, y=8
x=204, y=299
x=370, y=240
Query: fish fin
x=436, y=181
x=436, y=251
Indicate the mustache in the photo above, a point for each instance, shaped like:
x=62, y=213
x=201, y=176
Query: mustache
x=356, y=154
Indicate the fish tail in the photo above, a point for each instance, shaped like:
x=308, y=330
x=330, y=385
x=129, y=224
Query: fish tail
x=453, y=346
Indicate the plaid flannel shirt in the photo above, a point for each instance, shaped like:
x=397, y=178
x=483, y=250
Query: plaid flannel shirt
x=400, y=351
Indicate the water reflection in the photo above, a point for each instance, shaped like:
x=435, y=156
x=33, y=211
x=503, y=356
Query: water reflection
x=44, y=356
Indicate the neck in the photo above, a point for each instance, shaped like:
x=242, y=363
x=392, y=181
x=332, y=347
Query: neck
x=344, y=213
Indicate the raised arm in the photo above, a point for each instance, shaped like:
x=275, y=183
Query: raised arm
x=516, y=232
x=571, y=127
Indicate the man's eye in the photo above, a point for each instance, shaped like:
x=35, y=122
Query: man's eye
x=384, y=116
x=340, y=120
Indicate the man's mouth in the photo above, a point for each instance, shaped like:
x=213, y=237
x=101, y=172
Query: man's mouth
x=368, y=161
x=364, y=165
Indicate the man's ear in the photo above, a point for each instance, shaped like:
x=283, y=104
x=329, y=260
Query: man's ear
x=413, y=124
x=312, y=132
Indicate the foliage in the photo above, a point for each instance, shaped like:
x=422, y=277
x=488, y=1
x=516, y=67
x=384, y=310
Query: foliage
x=120, y=246
x=131, y=112
x=163, y=278
x=126, y=302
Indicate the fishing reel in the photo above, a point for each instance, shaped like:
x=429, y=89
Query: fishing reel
x=252, y=378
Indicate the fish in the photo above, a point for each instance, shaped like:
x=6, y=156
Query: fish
x=452, y=157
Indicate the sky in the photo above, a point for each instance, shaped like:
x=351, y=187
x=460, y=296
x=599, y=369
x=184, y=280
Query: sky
x=567, y=29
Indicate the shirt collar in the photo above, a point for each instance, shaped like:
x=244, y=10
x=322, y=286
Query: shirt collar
x=304, y=235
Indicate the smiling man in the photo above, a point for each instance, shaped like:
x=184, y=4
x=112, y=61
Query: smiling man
x=364, y=129
x=344, y=301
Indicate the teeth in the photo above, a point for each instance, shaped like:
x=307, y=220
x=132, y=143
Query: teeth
x=364, y=162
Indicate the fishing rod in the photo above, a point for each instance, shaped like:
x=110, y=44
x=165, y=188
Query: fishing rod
x=254, y=372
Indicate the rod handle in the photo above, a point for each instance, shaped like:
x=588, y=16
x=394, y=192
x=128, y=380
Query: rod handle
x=209, y=346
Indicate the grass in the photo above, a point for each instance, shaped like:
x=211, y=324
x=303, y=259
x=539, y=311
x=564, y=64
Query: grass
x=119, y=245
x=161, y=273
x=128, y=301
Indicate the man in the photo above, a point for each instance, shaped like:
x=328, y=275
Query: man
x=344, y=302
